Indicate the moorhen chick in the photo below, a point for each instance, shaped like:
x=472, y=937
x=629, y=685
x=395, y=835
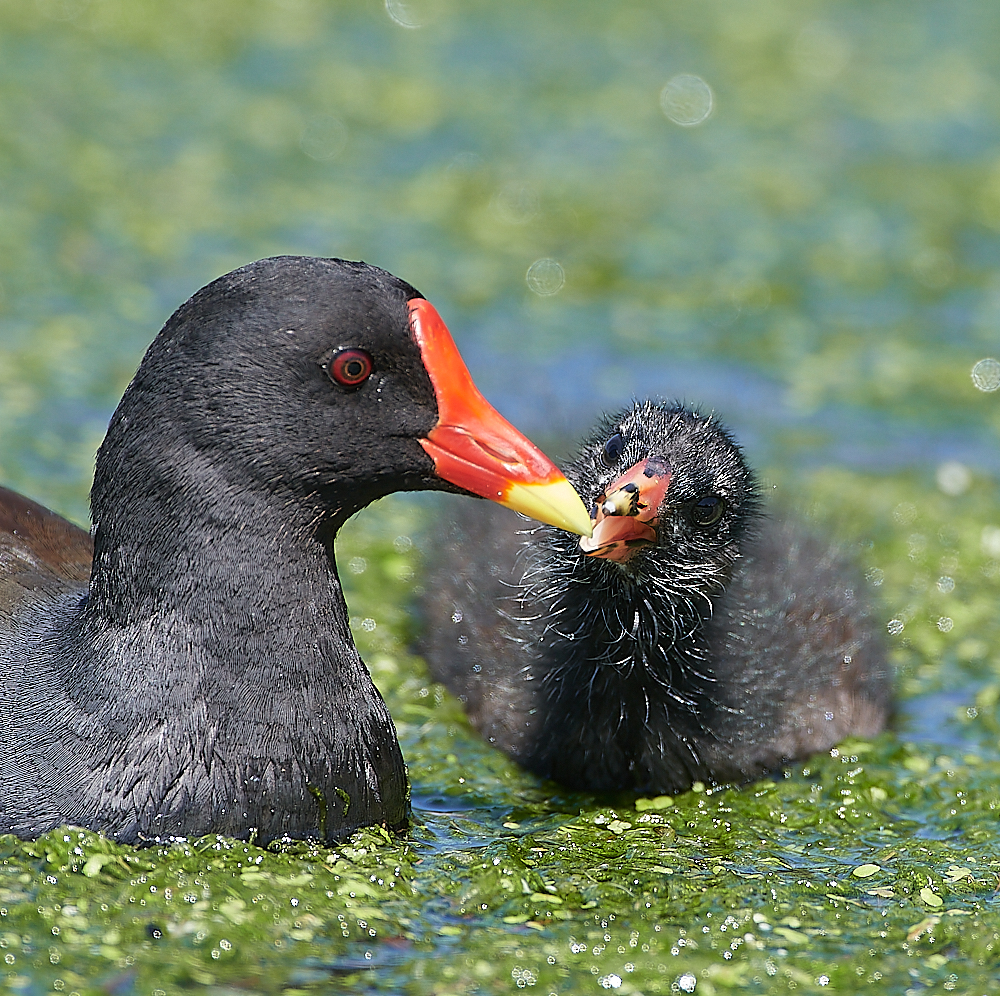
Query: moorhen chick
x=691, y=639
x=191, y=669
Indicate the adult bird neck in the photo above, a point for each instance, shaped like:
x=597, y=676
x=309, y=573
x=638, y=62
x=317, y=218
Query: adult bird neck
x=215, y=636
x=252, y=572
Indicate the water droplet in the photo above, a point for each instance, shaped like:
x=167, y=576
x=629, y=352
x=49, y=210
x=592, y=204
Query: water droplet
x=876, y=576
x=986, y=374
x=945, y=624
x=751, y=295
x=403, y=13
x=687, y=100
x=545, y=277
x=324, y=138
x=687, y=982
x=953, y=478
x=357, y=565
x=945, y=584
x=895, y=627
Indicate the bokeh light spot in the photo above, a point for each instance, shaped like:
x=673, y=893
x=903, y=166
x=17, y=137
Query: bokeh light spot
x=324, y=138
x=687, y=100
x=953, y=478
x=402, y=13
x=516, y=203
x=545, y=277
x=986, y=374
x=990, y=541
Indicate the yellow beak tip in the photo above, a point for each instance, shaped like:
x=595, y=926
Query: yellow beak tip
x=557, y=504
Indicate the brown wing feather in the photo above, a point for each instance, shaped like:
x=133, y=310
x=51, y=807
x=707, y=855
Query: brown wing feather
x=39, y=551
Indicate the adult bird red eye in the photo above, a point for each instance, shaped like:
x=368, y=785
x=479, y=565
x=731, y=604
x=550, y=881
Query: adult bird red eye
x=350, y=367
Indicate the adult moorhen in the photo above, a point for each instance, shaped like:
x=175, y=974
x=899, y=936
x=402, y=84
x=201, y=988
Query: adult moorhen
x=692, y=638
x=192, y=669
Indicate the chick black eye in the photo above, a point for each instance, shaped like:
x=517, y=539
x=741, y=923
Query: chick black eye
x=708, y=510
x=613, y=450
x=350, y=367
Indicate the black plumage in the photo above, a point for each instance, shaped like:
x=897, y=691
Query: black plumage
x=728, y=644
x=199, y=674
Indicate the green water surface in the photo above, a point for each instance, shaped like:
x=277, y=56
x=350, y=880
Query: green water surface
x=817, y=256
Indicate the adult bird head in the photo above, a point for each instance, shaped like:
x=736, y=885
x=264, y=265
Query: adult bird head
x=329, y=384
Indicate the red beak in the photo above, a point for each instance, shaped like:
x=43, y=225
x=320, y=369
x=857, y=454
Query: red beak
x=475, y=447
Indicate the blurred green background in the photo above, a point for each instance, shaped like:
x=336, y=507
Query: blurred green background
x=788, y=210
x=825, y=241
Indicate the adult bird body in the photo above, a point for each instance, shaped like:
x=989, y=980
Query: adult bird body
x=202, y=676
x=691, y=638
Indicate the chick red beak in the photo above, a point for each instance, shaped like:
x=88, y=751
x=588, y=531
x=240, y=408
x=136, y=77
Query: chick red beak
x=475, y=447
x=625, y=515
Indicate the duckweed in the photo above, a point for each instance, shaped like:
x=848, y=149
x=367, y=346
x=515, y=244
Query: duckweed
x=789, y=211
x=877, y=863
